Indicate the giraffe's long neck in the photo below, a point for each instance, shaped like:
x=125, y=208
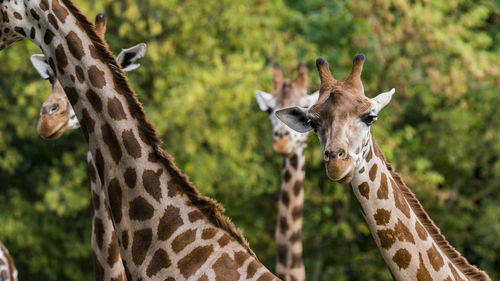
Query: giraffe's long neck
x=8, y=271
x=411, y=244
x=289, y=264
x=108, y=265
x=165, y=228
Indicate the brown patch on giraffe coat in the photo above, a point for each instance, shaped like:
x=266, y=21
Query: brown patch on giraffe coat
x=252, y=268
x=421, y=232
x=96, y=77
x=169, y=223
x=387, y=238
x=131, y=144
x=115, y=199
x=435, y=258
x=18, y=16
x=382, y=216
x=34, y=14
x=47, y=38
x=294, y=161
x=152, y=156
x=159, y=261
x=403, y=233
x=297, y=261
x=297, y=187
x=33, y=33
x=61, y=59
x=202, y=278
x=362, y=170
x=195, y=215
x=53, y=21
x=225, y=269
x=373, y=172
x=402, y=258
x=364, y=190
x=96, y=201
x=130, y=177
x=72, y=95
x=151, y=182
x=44, y=5
x=401, y=203
x=80, y=75
x=208, y=233
x=296, y=236
x=190, y=264
x=297, y=212
x=224, y=240
x=20, y=30
x=124, y=240
x=113, y=251
x=267, y=276
x=111, y=141
x=282, y=254
x=286, y=176
x=140, y=245
x=115, y=109
x=174, y=188
x=369, y=156
x=422, y=272
x=92, y=172
x=60, y=11
x=180, y=242
x=283, y=225
x=383, y=191
x=285, y=198
x=99, y=163
x=98, y=232
x=94, y=100
x=240, y=257
x=140, y=209
x=87, y=124
x=75, y=45
x=448, y=279
x=98, y=268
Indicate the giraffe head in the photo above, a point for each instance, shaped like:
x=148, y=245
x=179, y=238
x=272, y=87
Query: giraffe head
x=341, y=118
x=12, y=29
x=57, y=114
x=286, y=94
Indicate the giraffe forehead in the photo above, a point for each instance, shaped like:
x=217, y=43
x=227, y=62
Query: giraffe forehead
x=340, y=106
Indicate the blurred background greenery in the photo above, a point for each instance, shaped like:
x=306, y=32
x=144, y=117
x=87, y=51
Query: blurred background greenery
x=205, y=59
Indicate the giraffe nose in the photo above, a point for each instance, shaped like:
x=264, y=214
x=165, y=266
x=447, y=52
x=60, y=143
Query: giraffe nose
x=335, y=154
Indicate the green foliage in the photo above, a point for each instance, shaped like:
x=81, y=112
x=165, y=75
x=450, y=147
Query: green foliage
x=203, y=63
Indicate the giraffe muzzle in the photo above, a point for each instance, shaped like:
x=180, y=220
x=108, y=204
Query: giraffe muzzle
x=340, y=169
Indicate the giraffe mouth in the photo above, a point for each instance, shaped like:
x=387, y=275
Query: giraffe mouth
x=340, y=170
x=52, y=134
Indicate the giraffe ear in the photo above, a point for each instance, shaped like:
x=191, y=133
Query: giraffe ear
x=380, y=101
x=309, y=100
x=41, y=65
x=265, y=101
x=295, y=118
x=128, y=56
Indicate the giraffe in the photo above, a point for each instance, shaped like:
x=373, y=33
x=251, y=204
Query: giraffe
x=57, y=116
x=411, y=244
x=291, y=145
x=166, y=230
x=8, y=271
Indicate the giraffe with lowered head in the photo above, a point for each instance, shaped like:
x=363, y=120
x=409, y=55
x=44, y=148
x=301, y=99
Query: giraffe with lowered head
x=291, y=145
x=411, y=244
x=165, y=228
x=8, y=271
x=57, y=116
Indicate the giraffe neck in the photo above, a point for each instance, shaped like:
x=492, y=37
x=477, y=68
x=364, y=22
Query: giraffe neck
x=106, y=257
x=8, y=271
x=412, y=246
x=165, y=228
x=289, y=264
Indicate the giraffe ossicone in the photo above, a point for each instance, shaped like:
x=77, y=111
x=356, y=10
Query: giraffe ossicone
x=8, y=271
x=166, y=230
x=291, y=145
x=411, y=244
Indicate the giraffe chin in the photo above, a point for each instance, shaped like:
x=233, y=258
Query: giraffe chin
x=340, y=170
x=52, y=134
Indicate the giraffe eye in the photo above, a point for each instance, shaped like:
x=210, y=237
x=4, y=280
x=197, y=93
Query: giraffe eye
x=313, y=124
x=368, y=119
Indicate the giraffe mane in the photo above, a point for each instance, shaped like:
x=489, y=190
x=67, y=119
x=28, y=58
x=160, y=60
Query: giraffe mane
x=456, y=258
x=209, y=207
